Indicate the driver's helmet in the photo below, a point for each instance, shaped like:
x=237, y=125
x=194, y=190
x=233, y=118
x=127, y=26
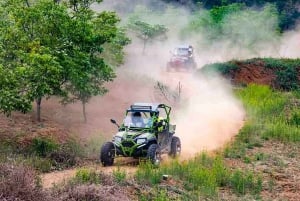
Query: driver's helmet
x=161, y=127
x=136, y=117
x=136, y=114
x=190, y=49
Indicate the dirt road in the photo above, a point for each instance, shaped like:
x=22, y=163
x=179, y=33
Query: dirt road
x=128, y=165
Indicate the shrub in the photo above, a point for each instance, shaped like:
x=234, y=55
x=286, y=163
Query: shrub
x=147, y=173
x=287, y=79
x=43, y=146
x=67, y=155
x=39, y=164
x=155, y=195
x=19, y=182
x=119, y=175
x=223, y=68
x=295, y=118
x=84, y=175
x=243, y=182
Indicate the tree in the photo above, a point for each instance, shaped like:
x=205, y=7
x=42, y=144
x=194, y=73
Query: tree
x=148, y=32
x=88, y=71
x=55, y=50
x=31, y=35
x=11, y=98
x=113, y=53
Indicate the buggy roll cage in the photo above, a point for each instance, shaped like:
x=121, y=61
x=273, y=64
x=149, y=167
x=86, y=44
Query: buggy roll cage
x=151, y=108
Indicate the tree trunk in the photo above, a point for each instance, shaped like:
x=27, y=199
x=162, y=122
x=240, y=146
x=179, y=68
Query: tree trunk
x=144, y=46
x=84, y=112
x=38, y=109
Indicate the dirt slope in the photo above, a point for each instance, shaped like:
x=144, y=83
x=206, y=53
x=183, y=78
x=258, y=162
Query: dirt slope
x=254, y=73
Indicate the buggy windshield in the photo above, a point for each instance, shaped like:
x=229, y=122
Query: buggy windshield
x=138, y=120
x=181, y=51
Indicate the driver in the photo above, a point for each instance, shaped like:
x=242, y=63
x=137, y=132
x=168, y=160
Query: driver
x=137, y=120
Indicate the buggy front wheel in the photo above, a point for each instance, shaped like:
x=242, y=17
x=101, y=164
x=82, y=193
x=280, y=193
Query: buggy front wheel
x=175, y=147
x=107, y=154
x=153, y=154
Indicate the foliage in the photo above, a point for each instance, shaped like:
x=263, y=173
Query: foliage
x=286, y=72
x=236, y=26
x=48, y=49
x=295, y=118
x=42, y=146
x=288, y=12
x=39, y=164
x=112, y=52
x=147, y=32
x=281, y=63
x=84, y=175
x=10, y=92
x=268, y=116
x=19, y=182
x=287, y=79
x=245, y=181
x=66, y=155
x=223, y=68
x=119, y=175
x=203, y=174
x=156, y=194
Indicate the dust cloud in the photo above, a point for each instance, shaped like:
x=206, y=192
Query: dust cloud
x=208, y=114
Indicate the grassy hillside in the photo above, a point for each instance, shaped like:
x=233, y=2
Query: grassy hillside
x=261, y=163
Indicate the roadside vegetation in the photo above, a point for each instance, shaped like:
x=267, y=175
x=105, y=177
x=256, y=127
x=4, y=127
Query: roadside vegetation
x=37, y=62
x=272, y=116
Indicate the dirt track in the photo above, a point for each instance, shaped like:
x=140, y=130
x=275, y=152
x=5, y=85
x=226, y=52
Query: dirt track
x=57, y=177
x=204, y=120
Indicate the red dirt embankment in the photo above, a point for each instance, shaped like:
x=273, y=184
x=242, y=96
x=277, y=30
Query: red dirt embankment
x=254, y=73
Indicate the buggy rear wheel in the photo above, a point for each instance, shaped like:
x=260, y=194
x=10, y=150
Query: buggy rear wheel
x=175, y=147
x=107, y=154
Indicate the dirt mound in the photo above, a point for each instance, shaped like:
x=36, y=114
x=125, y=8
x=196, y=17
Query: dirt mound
x=253, y=73
x=282, y=74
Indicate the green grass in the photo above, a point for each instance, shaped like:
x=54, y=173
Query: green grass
x=272, y=114
x=202, y=176
x=119, y=175
x=86, y=176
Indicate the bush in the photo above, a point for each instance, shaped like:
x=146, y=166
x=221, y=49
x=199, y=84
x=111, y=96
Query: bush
x=287, y=79
x=39, y=164
x=19, y=182
x=84, y=175
x=295, y=118
x=223, y=68
x=43, y=146
x=66, y=155
x=155, y=195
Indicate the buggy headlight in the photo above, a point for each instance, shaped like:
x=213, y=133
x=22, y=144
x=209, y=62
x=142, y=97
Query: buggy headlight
x=141, y=140
x=117, y=139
